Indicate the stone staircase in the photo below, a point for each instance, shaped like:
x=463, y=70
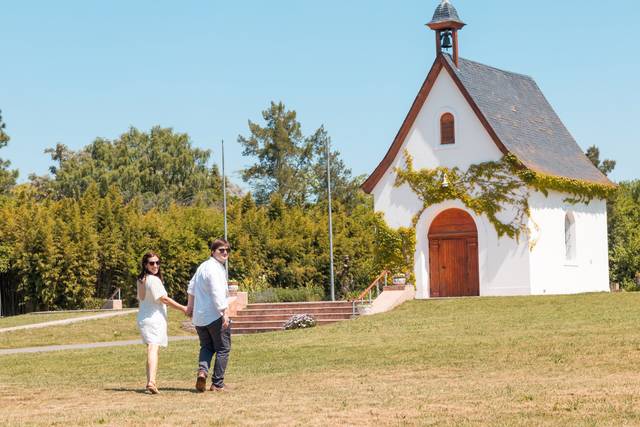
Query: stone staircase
x=271, y=317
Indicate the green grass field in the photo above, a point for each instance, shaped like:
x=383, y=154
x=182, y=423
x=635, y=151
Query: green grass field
x=100, y=330
x=28, y=319
x=568, y=360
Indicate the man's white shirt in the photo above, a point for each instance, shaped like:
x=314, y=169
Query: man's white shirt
x=209, y=289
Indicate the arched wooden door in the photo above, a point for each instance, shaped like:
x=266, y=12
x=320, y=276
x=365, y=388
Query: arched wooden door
x=453, y=255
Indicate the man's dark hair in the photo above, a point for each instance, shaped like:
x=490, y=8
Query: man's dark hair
x=218, y=243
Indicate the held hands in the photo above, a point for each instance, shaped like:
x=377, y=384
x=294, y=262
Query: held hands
x=225, y=321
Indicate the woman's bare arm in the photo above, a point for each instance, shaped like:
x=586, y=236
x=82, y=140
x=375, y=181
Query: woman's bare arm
x=173, y=304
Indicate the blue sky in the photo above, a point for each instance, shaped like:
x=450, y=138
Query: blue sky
x=71, y=71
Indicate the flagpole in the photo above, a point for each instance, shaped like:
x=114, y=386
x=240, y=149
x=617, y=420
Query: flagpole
x=333, y=293
x=224, y=206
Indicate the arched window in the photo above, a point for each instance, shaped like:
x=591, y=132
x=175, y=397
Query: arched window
x=570, y=236
x=447, y=129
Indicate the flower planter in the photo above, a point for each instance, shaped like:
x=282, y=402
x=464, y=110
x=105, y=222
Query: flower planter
x=233, y=287
x=399, y=280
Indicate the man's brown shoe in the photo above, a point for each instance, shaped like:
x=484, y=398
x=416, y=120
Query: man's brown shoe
x=218, y=389
x=201, y=382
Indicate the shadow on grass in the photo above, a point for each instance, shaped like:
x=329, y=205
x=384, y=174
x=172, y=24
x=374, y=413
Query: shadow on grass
x=161, y=389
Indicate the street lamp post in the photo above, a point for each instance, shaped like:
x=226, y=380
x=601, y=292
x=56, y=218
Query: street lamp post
x=333, y=293
x=224, y=206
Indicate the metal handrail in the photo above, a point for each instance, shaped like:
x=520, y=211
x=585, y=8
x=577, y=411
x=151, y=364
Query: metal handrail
x=375, y=284
x=117, y=291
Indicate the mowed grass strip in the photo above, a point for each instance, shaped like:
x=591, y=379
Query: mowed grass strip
x=569, y=360
x=118, y=328
x=29, y=319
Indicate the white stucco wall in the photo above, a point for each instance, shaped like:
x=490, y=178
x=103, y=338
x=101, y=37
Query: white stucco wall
x=473, y=145
x=506, y=266
x=551, y=272
x=503, y=263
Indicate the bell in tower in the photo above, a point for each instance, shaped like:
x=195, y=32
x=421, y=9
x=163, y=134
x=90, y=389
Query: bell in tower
x=445, y=40
x=446, y=23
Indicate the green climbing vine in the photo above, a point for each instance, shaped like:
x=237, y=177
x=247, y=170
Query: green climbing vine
x=394, y=248
x=490, y=187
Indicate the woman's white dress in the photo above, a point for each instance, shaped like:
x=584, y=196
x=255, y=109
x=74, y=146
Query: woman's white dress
x=152, y=315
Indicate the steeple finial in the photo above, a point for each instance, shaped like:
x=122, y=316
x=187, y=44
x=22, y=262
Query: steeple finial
x=446, y=23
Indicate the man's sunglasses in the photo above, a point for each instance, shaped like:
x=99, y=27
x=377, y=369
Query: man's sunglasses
x=224, y=250
x=153, y=262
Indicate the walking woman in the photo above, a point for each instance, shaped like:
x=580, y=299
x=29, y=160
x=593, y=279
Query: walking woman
x=152, y=315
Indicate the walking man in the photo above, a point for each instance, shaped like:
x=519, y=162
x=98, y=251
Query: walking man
x=209, y=309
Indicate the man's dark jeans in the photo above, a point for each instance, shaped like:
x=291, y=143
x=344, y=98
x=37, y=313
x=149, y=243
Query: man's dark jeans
x=214, y=339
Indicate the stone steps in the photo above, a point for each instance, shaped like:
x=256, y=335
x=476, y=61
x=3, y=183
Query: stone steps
x=294, y=310
x=265, y=317
x=309, y=305
x=284, y=317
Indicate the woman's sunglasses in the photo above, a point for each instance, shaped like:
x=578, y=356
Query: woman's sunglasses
x=224, y=250
x=153, y=262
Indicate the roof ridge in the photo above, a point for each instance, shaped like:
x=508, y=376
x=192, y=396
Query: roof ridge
x=489, y=66
x=516, y=114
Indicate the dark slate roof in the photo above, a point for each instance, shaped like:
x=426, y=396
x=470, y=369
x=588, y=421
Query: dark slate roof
x=524, y=121
x=445, y=12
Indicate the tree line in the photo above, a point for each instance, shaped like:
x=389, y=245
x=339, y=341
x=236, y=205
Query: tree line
x=69, y=238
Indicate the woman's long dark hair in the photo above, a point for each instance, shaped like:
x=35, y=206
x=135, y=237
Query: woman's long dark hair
x=144, y=272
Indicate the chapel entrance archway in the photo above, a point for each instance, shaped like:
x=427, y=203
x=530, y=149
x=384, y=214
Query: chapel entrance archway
x=453, y=255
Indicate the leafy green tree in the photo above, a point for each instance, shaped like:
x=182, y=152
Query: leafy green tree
x=344, y=188
x=605, y=166
x=77, y=265
x=283, y=156
x=7, y=177
x=182, y=237
x=35, y=254
x=160, y=167
x=292, y=165
x=113, y=221
x=68, y=240
x=624, y=236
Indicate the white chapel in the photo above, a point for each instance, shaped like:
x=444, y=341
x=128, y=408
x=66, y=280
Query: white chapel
x=468, y=113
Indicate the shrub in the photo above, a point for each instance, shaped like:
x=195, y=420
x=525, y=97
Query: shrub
x=310, y=292
x=300, y=321
x=266, y=295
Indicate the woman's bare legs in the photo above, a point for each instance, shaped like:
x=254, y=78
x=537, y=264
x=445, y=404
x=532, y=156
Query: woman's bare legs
x=152, y=367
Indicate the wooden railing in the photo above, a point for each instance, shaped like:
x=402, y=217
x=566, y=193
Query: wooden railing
x=367, y=293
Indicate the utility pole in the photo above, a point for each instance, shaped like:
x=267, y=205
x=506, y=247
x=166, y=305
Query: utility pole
x=333, y=293
x=224, y=206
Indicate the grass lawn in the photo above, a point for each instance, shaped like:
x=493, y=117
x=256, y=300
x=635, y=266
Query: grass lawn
x=99, y=330
x=569, y=360
x=28, y=319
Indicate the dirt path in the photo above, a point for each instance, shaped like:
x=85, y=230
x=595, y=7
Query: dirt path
x=83, y=346
x=69, y=321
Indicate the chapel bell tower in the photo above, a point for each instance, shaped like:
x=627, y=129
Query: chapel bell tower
x=446, y=23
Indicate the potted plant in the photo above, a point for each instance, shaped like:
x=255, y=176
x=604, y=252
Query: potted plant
x=233, y=286
x=399, y=279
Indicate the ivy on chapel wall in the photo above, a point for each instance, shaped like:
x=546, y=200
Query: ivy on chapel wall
x=491, y=187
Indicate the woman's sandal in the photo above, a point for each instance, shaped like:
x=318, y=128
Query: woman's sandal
x=152, y=389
